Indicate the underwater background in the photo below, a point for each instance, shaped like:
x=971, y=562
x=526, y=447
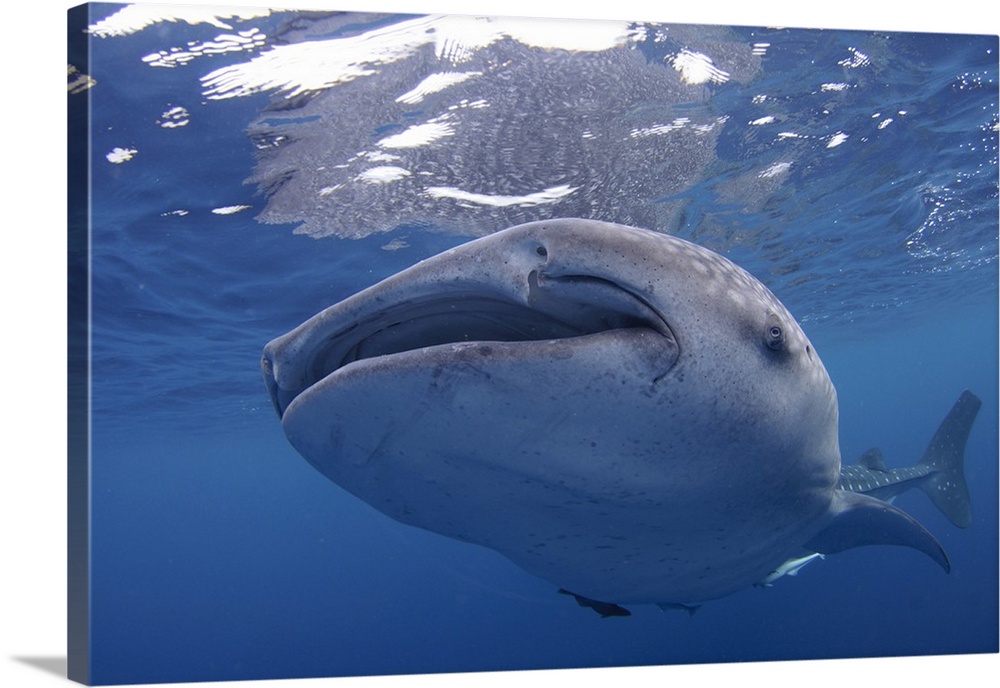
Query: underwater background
x=867, y=204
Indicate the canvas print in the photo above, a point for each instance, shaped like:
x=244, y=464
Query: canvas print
x=410, y=344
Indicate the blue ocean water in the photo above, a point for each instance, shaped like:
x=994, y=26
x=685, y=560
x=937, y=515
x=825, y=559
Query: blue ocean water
x=867, y=203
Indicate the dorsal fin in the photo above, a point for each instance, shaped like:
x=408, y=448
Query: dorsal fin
x=872, y=460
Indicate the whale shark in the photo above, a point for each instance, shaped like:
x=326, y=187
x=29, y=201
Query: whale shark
x=625, y=414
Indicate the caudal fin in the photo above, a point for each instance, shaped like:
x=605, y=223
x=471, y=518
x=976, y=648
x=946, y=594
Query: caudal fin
x=945, y=454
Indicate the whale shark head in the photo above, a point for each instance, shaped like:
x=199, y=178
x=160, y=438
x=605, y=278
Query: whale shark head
x=624, y=413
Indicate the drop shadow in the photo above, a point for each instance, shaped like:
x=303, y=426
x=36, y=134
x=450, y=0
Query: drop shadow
x=51, y=665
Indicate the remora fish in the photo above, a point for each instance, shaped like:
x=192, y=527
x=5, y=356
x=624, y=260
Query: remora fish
x=623, y=413
x=789, y=568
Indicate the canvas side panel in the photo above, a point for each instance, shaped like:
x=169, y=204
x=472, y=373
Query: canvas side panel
x=78, y=352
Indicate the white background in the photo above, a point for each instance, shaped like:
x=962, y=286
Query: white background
x=32, y=368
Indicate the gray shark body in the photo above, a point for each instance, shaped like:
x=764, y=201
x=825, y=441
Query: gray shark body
x=625, y=414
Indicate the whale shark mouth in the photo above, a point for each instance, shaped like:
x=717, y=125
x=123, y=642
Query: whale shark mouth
x=563, y=308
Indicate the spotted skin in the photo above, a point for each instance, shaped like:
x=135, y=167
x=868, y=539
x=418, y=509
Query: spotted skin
x=940, y=473
x=625, y=414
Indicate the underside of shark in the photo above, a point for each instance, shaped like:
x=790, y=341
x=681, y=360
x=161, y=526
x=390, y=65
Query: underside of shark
x=625, y=414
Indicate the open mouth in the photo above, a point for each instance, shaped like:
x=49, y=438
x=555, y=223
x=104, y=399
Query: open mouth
x=559, y=308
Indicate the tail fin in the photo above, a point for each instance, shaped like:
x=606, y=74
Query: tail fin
x=945, y=454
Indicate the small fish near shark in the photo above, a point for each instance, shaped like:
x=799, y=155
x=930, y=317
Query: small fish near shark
x=623, y=413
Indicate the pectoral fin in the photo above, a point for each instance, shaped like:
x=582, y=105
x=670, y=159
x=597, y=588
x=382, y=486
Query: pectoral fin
x=857, y=520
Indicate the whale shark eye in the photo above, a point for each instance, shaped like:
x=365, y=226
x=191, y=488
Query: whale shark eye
x=774, y=334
